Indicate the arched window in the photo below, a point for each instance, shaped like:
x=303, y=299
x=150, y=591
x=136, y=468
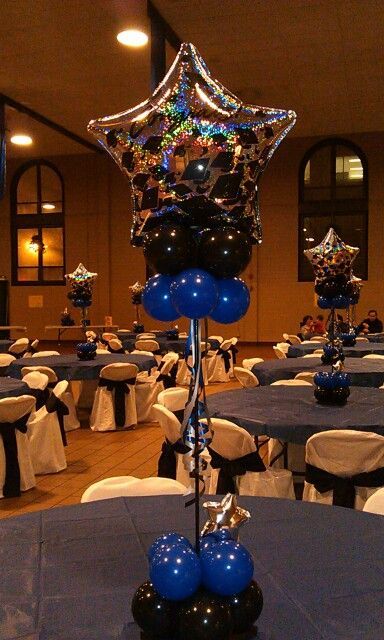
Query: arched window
x=37, y=225
x=333, y=192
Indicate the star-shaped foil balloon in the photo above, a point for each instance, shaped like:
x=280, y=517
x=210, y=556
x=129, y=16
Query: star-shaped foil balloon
x=193, y=151
x=224, y=514
x=331, y=257
x=81, y=274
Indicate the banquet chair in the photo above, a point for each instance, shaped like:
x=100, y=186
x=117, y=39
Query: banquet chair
x=44, y=354
x=115, y=346
x=5, y=361
x=46, y=433
x=373, y=356
x=296, y=382
x=16, y=470
x=313, y=355
x=219, y=366
x=39, y=382
x=148, y=387
x=348, y=459
x=184, y=375
x=124, y=486
x=248, y=363
x=218, y=338
x=19, y=347
x=361, y=339
x=375, y=503
x=307, y=376
x=279, y=353
x=114, y=405
x=32, y=348
x=174, y=399
x=146, y=336
x=147, y=345
x=246, y=378
x=318, y=339
x=91, y=336
x=102, y=350
x=71, y=421
x=107, y=336
x=317, y=352
x=291, y=338
x=233, y=449
x=183, y=334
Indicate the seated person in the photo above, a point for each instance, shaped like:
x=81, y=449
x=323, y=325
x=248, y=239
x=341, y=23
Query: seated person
x=319, y=326
x=306, y=328
x=371, y=324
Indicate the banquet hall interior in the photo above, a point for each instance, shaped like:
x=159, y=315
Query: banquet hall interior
x=191, y=305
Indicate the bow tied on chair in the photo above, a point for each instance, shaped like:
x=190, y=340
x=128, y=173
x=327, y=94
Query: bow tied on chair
x=226, y=355
x=11, y=488
x=234, y=350
x=169, y=379
x=167, y=463
x=121, y=389
x=344, y=491
x=229, y=469
x=54, y=404
x=42, y=397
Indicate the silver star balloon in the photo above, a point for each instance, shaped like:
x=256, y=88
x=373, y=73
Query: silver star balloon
x=81, y=274
x=193, y=151
x=331, y=257
x=224, y=514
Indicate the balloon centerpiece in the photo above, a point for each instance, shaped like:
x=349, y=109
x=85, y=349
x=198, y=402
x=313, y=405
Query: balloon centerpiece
x=81, y=282
x=194, y=153
x=137, y=299
x=332, y=264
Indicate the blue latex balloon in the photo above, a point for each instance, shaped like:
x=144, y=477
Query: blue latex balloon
x=227, y=568
x=233, y=301
x=157, y=299
x=175, y=572
x=194, y=293
x=166, y=540
x=79, y=302
x=340, y=302
x=324, y=303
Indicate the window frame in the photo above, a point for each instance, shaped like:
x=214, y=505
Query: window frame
x=39, y=221
x=334, y=206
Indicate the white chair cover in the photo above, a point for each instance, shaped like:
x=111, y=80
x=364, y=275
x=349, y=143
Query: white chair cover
x=107, y=336
x=183, y=374
x=279, y=353
x=19, y=347
x=46, y=443
x=307, y=376
x=44, y=354
x=130, y=486
x=147, y=345
x=373, y=356
x=232, y=442
x=344, y=453
x=5, y=361
x=375, y=503
x=246, y=378
x=290, y=337
x=216, y=365
x=218, y=338
x=249, y=362
x=36, y=380
x=291, y=383
x=318, y=339
x=148, y=387
x=115, y=346
x=173, y=399
x=146, y=336
x=361, y=339
x=103, y=410
x=313, y=355
x=11, y=410
x=171, y=428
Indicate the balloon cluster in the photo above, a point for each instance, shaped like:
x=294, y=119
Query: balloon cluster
x=332, y=353
x=66, y=319
x=136, y=293
x=81, y=282
x=332, y=388
x=196, y=273
x=86, y=350
x=190, y=596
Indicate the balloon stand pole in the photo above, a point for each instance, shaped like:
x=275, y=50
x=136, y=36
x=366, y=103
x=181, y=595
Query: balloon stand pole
x=197, y=377
x=84, y=315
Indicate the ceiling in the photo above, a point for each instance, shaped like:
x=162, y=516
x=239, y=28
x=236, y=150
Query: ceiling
x=321, y=58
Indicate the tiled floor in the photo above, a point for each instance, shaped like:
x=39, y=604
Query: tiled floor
x=92, y=455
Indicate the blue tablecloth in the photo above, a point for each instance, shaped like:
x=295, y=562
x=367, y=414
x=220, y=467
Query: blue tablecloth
x=13, y=387
x=375, y=337
x=4, y=345
x=358, y=351
x=293, y=414
x=178, y=345
x=69, y=367
x=70, y=573
x=363, y=373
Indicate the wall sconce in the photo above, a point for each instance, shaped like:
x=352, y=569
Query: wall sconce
x=35, y=244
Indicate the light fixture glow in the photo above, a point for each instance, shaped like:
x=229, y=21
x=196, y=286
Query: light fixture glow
x=21, y=139
x=132, y=38
x=48, y=206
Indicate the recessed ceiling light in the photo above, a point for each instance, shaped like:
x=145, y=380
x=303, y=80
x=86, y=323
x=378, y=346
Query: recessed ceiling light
x=132, y=38
x=21, y=139
x=48, y=206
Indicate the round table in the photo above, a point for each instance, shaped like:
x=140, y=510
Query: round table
x=69, y=367
x=70, y=573
x=4, y=345
x=363, y=373
x=358, y=351
x=375, y=337
x=11, y=387
x=293, y=414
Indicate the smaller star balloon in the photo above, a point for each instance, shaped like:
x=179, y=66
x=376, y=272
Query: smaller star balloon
x=332, y=257
x=224, y=514
x=81, y=274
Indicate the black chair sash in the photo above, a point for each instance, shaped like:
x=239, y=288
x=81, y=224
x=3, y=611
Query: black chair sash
x=110, y=350
x=11, y=488
x=229, y=469
x=234, y=350
x=42, y=396
x=121, y=389
x=169, y=379
x=344, y=491
x=54, y=404
x=167, y=464
x=226, y=355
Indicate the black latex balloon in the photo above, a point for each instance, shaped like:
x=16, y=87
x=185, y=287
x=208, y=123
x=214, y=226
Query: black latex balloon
x=205, y=617
x=154, y=615
x=169, y=249
x=245, y=607
x=224, y=252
